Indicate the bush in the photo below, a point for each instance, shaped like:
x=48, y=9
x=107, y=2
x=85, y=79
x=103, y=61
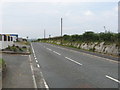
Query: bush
x=88, y=37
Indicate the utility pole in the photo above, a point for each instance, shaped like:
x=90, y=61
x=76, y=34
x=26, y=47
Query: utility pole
x=105, y=29
x=61, y=31
x=27, y=38
x=49, y=37
x=44, y=33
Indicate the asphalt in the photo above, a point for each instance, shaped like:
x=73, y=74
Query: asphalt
x=0, y=74
x=108, y=56
x=18, y=74
x=67, y=68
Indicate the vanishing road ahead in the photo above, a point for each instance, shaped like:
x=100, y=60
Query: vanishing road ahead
x=66, y=68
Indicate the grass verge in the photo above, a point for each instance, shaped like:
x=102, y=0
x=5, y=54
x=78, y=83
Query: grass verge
x=2, y=63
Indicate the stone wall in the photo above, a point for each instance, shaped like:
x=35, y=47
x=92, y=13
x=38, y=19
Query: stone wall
x=100, y=47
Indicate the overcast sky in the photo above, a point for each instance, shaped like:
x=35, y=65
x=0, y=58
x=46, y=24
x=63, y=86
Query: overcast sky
x=31, y=18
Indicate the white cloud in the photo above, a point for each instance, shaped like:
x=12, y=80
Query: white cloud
x=116, y=8
x=68, y=13
x=60, y=0
x=74, y=20
x=0, y=17
x=96, y=21
x=88, y=13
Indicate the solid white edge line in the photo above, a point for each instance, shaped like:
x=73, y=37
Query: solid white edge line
x=33, y=76
x=34, y=56
x=73, y=61
x=56, y=52
x=46, y=86
x=112, y=79
x=33, y=49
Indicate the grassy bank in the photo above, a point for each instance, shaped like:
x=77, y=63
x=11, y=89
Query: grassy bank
x=78, y=45
x=2, y=63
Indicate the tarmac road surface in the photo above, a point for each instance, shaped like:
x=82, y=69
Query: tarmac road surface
x=18, y=73
x=66, y=68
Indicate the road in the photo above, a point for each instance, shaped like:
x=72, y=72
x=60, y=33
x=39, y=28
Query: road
x=18, y=74
x=66, y=68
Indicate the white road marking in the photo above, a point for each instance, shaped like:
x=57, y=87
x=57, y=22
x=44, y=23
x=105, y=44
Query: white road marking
x=87, y=54
x=35, y=58
x=33, y=76
x=46, y=86
x=56, y=52
x=49, y=49
x=73, y=61
x=32, y=48
x=33, y=51
x=38, y=65
x=112, y=79
x=36, y=61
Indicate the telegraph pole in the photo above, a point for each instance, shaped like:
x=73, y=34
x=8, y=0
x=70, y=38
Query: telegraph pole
x=61, y=30
x=105, y=29
x=44, y=33
x=49, y=37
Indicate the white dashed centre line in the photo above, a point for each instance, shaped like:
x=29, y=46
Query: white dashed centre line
x=56, y=52
x=73, y=61
x=49, y=49
x=87, y=54
x=112, y=79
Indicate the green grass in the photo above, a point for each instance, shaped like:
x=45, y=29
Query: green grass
x=17, y=48
x=2, y=62
x=24, y=43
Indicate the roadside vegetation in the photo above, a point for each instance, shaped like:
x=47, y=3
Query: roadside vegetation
x=16, y=48
x=104, y=42
x=19, y=47
x=87, y=37
x=23, y=42
x=2, y=64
